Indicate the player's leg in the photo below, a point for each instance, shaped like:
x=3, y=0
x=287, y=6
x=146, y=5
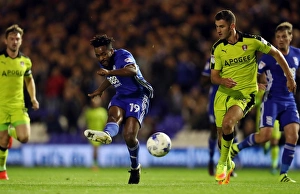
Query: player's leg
x=276, y=134
x=95, y=145
x=130, y=132
x=230, y=163
x=21, y=123
x=232, y=116
x=225, y=138
x=215, y=138
x=235, y=140
x=263, y=135
x=134, y=114
x=237, y=109
x=214, y=134
x=291, y=137
x=111, y=129
x=95, y=157
x=12, y=134
x=23, y=132
x=260, y=137
x=4, y=139
x=259, y=97
x=212, y=142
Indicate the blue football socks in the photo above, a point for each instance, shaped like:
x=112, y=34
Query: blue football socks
x=248, y=142
x=287, y=157
x=134, y=155
x=112, y=129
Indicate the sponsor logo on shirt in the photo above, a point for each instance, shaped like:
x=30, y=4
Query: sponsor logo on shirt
x=12, y=73
x=114, y=81
x=243, y=59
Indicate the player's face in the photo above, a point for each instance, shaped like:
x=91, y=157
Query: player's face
x=13, y=41
x=283, y=40
x=103, y=55
x=224, y=30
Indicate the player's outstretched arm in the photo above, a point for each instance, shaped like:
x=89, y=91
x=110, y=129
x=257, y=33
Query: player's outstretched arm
x=127, y=71
x=99, y=91
x=291, y=84
x=30, y=85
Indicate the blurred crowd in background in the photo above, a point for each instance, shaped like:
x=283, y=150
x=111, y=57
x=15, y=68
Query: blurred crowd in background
x=170, y=40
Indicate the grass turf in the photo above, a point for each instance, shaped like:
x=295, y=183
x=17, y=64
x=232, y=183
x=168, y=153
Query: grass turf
x=153, y=180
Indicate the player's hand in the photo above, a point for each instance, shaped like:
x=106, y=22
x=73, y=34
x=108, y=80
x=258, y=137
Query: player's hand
x=291, y=85
x=35, y=104
x=103, y=72
x=228, y=82
x=262, y=87
x=95, y=94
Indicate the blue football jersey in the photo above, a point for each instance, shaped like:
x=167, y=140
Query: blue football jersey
x=128, y=86
x=276, y=88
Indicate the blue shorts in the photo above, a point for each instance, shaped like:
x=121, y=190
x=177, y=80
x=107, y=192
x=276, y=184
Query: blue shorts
x=136, y=107
x=285, y=112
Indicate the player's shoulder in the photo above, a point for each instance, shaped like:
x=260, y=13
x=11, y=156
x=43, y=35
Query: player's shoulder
x=120, y=52
x=123, y=56
x=250, y=36
x=256, y=41
x=253, y=39
x=23, y=55
x=2, y=52
x=295, y=50
x=217, y=44
x=24, y=59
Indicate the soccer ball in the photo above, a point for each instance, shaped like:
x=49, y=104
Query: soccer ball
x=159, y=144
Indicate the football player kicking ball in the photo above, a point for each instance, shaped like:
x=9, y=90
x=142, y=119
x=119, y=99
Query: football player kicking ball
x=278, y=102
x=128, y=106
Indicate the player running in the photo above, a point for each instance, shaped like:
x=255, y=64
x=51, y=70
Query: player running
x=278, y=102
x=15, y=71
x=215, y=136
x=234, y=69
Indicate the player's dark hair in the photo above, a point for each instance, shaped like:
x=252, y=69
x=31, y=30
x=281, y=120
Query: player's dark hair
x=102, y=40
x=14, y=28
x=285, y=26
x=226, y=15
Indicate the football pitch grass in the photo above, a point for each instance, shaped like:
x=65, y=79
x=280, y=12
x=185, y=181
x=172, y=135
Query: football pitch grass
x=41, y=180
